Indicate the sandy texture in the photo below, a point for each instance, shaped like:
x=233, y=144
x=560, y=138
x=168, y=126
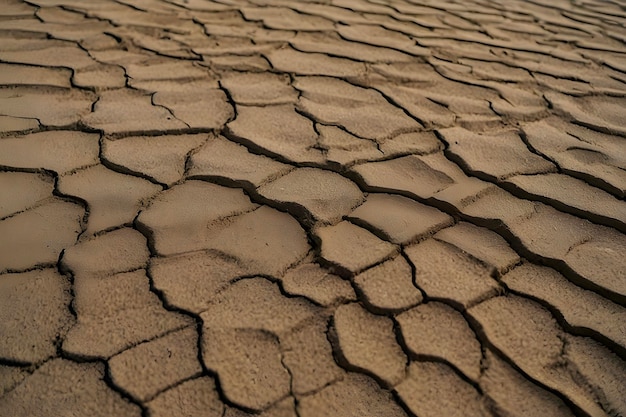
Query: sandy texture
x=228, y=208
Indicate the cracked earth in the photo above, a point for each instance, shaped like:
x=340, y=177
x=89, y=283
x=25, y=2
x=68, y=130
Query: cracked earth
x=312, y=208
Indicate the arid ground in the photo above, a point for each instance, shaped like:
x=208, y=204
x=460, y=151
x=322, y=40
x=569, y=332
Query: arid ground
x=316, y=208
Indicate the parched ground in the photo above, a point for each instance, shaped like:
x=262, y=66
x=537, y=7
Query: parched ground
x=312, y=208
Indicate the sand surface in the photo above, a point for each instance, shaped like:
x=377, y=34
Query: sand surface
x=312, y=208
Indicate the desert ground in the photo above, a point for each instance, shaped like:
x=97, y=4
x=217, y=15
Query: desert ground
x=290, y=208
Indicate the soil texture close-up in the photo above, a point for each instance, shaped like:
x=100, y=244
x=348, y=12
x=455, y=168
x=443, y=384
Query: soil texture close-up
x=283, y=208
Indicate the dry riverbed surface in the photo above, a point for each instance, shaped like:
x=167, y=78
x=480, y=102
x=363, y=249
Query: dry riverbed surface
x=312, y=208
